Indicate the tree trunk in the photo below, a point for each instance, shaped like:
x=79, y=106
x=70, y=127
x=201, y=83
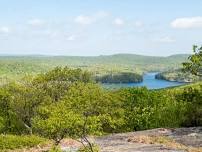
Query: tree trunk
x=29, y=128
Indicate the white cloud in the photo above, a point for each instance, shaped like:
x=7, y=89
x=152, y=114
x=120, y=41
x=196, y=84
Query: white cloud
x=89, y=19
x=5, y=30
x=36, y=22
x=119, y=22
x=166, y=39
x=84, y=20
x=187, y=22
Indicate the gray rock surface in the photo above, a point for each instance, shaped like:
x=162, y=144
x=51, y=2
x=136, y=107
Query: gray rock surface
x=191, y=137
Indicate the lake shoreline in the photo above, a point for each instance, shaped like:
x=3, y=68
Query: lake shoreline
x=149, y=81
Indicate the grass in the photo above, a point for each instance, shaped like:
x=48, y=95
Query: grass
x=12, y=142
x=155, y=140
x=166, y=141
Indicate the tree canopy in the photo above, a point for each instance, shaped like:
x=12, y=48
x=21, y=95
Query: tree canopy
x=194, y=65
x=67, y=103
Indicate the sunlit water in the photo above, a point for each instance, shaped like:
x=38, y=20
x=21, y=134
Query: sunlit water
x=149, y=81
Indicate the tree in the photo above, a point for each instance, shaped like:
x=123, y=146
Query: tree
x=19, y=102
x=145, y=109
x=86, y=109
x=194, y=65
x=5, y=110
x=57, y=122
x=25, y=99
x=90, y=99
x=193, y=97
x=57, y=81
x=137, y=108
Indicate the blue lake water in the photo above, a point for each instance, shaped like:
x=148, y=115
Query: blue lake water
x=149, y=81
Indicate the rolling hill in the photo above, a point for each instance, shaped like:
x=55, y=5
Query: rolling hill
x=16, y=66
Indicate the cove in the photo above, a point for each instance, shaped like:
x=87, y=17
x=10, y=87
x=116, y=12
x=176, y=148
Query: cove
x=149, y=81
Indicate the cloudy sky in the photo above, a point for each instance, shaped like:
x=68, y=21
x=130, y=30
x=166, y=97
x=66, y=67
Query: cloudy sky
x=98, y=27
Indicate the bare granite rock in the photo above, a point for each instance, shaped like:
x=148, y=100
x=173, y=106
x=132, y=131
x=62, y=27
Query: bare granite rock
x=180, y=140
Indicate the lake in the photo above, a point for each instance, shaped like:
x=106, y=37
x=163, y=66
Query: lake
x=149, y=81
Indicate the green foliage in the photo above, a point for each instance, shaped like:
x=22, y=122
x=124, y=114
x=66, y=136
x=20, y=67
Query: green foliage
x=21, y=101
x=194, y=65
x=56, y=122
x=9, y=120
x=146, y=109
x=85, y=109
x=64, y=74
x=122, y=77
x=16, y=67
x=17, y=142
x=95, y=148
x=193, y=97
x=178, y=75
x=57, y=81
x=92, y=100
x=66, y=103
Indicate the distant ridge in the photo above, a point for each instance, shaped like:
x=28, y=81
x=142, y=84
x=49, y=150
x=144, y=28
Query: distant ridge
x=116, y=59
x=118, y=54
x=32, y=64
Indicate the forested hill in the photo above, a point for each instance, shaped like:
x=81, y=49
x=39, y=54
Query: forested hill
x=141, y=59
x=102, y=59
x=16, y=65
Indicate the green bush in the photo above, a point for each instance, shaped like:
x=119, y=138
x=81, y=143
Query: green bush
x=146, y=109
x=193, y=97
x=17, y=142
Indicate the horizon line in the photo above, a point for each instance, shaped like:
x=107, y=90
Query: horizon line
x=64, y=55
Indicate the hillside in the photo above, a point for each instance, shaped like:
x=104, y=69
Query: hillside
x=121, y=59
x=16, y=66
x=62, y=97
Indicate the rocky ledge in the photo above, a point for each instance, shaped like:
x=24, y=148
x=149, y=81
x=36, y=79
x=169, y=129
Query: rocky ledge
x=155, y=140
x=158, y=140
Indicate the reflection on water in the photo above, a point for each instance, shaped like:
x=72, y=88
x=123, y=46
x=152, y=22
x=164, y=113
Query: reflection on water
x=149, y=81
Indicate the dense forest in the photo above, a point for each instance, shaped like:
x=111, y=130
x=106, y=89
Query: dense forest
x=15, y=67
x=122, y=77
x=177, y=75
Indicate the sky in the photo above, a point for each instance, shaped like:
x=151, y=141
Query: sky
x=99, y=27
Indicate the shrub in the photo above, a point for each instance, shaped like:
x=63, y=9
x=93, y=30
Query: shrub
x=193, y=97
x=146, y=109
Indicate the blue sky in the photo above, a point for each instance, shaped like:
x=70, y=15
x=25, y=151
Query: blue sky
x=98, y=27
